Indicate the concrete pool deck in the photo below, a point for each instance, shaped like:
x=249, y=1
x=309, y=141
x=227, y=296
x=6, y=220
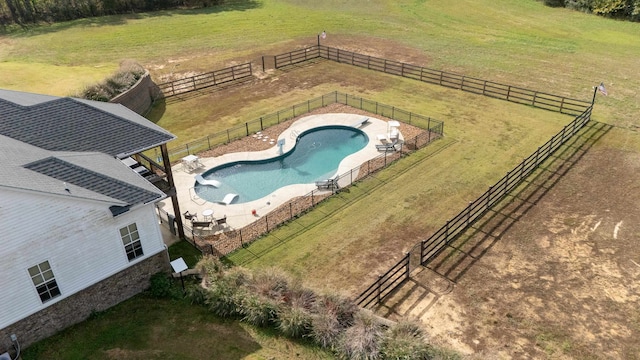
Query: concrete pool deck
x=240, y=215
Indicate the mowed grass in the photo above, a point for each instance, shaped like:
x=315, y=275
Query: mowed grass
x=148, y=328
x=518, y=42
x=350, y=239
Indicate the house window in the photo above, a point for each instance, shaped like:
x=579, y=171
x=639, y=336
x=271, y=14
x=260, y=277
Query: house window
x=131, y=241
x=45, y=282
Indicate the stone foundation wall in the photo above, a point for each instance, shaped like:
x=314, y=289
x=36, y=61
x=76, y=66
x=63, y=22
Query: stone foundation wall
x=79, y=306
x=139, y=97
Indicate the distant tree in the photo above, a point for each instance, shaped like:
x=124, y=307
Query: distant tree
x=620, y=9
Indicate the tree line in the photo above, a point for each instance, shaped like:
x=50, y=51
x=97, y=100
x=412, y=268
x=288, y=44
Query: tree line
x=25, y=12
x=618, y=9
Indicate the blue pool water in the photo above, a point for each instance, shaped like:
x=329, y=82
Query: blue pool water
x=316, y=156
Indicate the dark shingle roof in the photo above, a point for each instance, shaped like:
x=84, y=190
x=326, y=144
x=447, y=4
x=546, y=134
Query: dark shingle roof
x=99, y=183
x=66, y=124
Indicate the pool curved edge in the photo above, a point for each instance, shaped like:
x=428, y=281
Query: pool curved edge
x=240, y=215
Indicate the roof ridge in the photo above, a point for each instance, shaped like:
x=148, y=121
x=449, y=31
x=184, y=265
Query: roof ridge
x=57, y=168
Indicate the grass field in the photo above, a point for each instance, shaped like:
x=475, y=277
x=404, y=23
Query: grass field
x=516, y=42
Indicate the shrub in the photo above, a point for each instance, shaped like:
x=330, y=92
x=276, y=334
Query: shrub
x=272, y=283
x=407, y=341
x=223, y=298
x=554, y=3
x=343, y=308
x=325, y=328
x=211, y=268
x=258, y=310
x=196, y=294
x=126, y=76
x=294, y=321
x=162, y=286
x=362, y=340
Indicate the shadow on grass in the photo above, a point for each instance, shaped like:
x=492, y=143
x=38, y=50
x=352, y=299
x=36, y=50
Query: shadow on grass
x=427, y=284
x=480, y=238
x=29, y=30
x=144, y=327
x=275, y=239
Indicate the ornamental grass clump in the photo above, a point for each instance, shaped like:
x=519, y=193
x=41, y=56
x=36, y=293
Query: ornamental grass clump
x=127, y=75
x=407, y=341
x=332, y=314
x=362, y=340
x=270, y=298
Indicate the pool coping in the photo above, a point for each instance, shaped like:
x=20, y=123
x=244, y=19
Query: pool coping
x=241, y=215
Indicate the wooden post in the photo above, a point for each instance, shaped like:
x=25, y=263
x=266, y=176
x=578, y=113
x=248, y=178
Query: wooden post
x=172, y=190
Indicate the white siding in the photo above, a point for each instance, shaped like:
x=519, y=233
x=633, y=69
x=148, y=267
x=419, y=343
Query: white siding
x=80, y=239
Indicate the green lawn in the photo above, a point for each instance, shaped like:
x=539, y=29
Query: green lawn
x=147, y=328
x=517, y=42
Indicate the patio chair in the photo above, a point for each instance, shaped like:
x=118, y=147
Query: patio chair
x=210, y=182
x=228, y=199
x=387, y=147
x=221, y=223
x=328, y=184
x=190, y=216
x=201, y=224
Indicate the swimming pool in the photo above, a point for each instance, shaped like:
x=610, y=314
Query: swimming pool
x=316, y=156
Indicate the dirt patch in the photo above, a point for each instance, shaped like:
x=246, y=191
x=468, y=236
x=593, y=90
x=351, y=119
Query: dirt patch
x=552, y=274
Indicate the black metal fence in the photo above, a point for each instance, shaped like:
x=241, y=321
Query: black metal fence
x=223, y=243
x=205, y=80
x=431, y=125
x=436, y=243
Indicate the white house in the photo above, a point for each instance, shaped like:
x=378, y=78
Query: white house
x=78, y=227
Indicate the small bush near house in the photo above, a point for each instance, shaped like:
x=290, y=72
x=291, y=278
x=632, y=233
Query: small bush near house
x=128, y=74
x=162, y=287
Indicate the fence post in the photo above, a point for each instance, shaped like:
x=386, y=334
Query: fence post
x=562, y=105
x=508, y=92
x=379, y=289
x=535, y=95
x=209, y=142
x=489, y=196
x=290, y=211
x=484, y=87
x=408, y=256
x=266, y=221
x=261, y=126
x=246, y=125
x=462, y=83
x=187, y=146
x=228, y=136
x=446, y=232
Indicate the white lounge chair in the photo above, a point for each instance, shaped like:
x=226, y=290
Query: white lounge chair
x=228, y=199
x=387, y=147
x=210, y=182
